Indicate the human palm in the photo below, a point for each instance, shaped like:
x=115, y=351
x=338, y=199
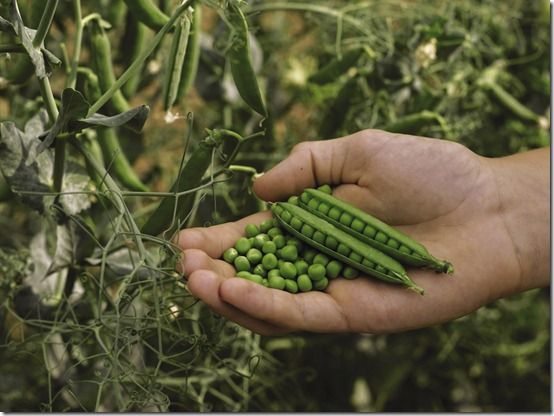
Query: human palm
x=437, y=192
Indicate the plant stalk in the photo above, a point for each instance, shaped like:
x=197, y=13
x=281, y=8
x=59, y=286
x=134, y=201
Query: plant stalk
x=45, y=22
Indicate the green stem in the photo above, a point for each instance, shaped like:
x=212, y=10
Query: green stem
x=11, y=48
x=72, y=78
x=45, y=22
x=137, y=64
x=48, y=98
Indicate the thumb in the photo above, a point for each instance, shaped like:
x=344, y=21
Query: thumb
x=310, y=164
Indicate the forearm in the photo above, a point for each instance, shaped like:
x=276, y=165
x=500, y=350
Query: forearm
x=523, y=182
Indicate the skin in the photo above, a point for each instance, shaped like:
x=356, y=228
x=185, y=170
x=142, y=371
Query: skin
x=489, y=217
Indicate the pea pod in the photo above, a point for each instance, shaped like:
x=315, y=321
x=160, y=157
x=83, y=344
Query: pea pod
x=131, y=47
x=336, y=67
x=148, y=13
x=412, y=123
x=369, y=229
x=190, y=66
x=241, y=62
x=189, y=178
x=318, y=233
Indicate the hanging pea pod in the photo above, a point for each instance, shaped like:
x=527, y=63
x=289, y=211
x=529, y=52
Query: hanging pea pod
x=511, y=103
x=336, y=67
x=130, y=47
x=177, y=55
x=241, y=62
x=190, y=66
x=171, y=212
x=148, y=13
x=412, y=123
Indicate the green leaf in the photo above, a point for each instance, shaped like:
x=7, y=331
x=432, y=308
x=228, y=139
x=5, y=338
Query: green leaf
x=133, y=119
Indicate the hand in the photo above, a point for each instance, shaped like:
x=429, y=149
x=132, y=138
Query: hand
x=464, y=208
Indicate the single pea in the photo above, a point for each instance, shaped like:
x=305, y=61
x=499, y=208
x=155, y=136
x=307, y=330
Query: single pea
x=293, y=241
x=286, y=217
x=269, y=261
x=259, y=241
x=273, y=272
x=266, y=225
x=404, y=249
x=244, y=274
x=343, y=249
x=307, y=230
x=331, y=242
x=309, y=255
x=269, y=247
x=230, y=255
x=277, y=209
x=350, y=273
x=321, y=258
x=289, y=253
x=277, y=282
x=304, y=197
x=335, y=213
x=293, y=200
x=358, y=225
x=381, y=237
x=259, y=269
x=333, y=269
x=304, y=283
x=355, y=257
x=287, y=270
x=291, y=286
x=324, y=208
x=241, y=263
x=313, y=203
x=254, y=256
x=252, y=230
x=265, y=282
x=368, y=263
x=319, y=237
x=296, y=223
x=279, y=241
x=251, y=241
x=393, y=243
x=325, y=188
x=321, y=284
x=380, y=269
x=274, y=231
x=316, y=271
x=301, y=266
x=345, y=219
x=369, y=231
x=243, y=245
x=280, y=262
x=256, y=278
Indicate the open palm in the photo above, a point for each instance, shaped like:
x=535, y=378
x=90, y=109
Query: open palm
x=437, y=192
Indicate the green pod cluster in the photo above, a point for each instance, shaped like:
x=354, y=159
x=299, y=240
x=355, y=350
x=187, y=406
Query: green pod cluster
x=329, y=239
x=366, y=228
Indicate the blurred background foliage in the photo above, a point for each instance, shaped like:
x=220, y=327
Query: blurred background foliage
x=430, y=68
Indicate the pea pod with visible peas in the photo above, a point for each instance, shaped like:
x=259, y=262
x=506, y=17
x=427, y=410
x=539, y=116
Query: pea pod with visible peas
x=370, y=230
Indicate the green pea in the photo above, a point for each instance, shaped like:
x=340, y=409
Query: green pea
x=252, y=230
x=316, y=271
x=369, y=231
x=277, y=282
x=259, y=241
x=296, y=223
x=241, y=263
x=321, y=284
x=309, y=255
x=279, y=241
x=343, y=249
x=266, y=225
x=313, y=203
x=357, y=225
x=259, y=269
x=293, y=200
x=333, y=269
x=393, y=243
x=331, y=242
x=273, y=272
x=345, y=219
x=350, y=273
x=335, y=213
x=269, y=261
x=304, y=197
x=368, y=263
x=278, y=210
x=380, y=269
x=274, y=231
x=269, y=247
x=307, y=230
x=287, y=270
x=325, y=188
x=230, y=254
x=321, y=258
x=243, y=245
x=289, y=253
x=355, y=257
x=381, y=237
x=301, y=266
x=293, y=241
x=265, y=282
x=254, y=256
x=319, y=237
x=304, y=283
x=404, y=249
x=324, y=208
x=291, y=286
x=286, y=216
x=256, y=278
x=280, y=262
x=244, y=274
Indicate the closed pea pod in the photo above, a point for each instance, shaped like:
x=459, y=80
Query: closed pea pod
x=148, y=13
x=190, y=66
x=377, y=234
